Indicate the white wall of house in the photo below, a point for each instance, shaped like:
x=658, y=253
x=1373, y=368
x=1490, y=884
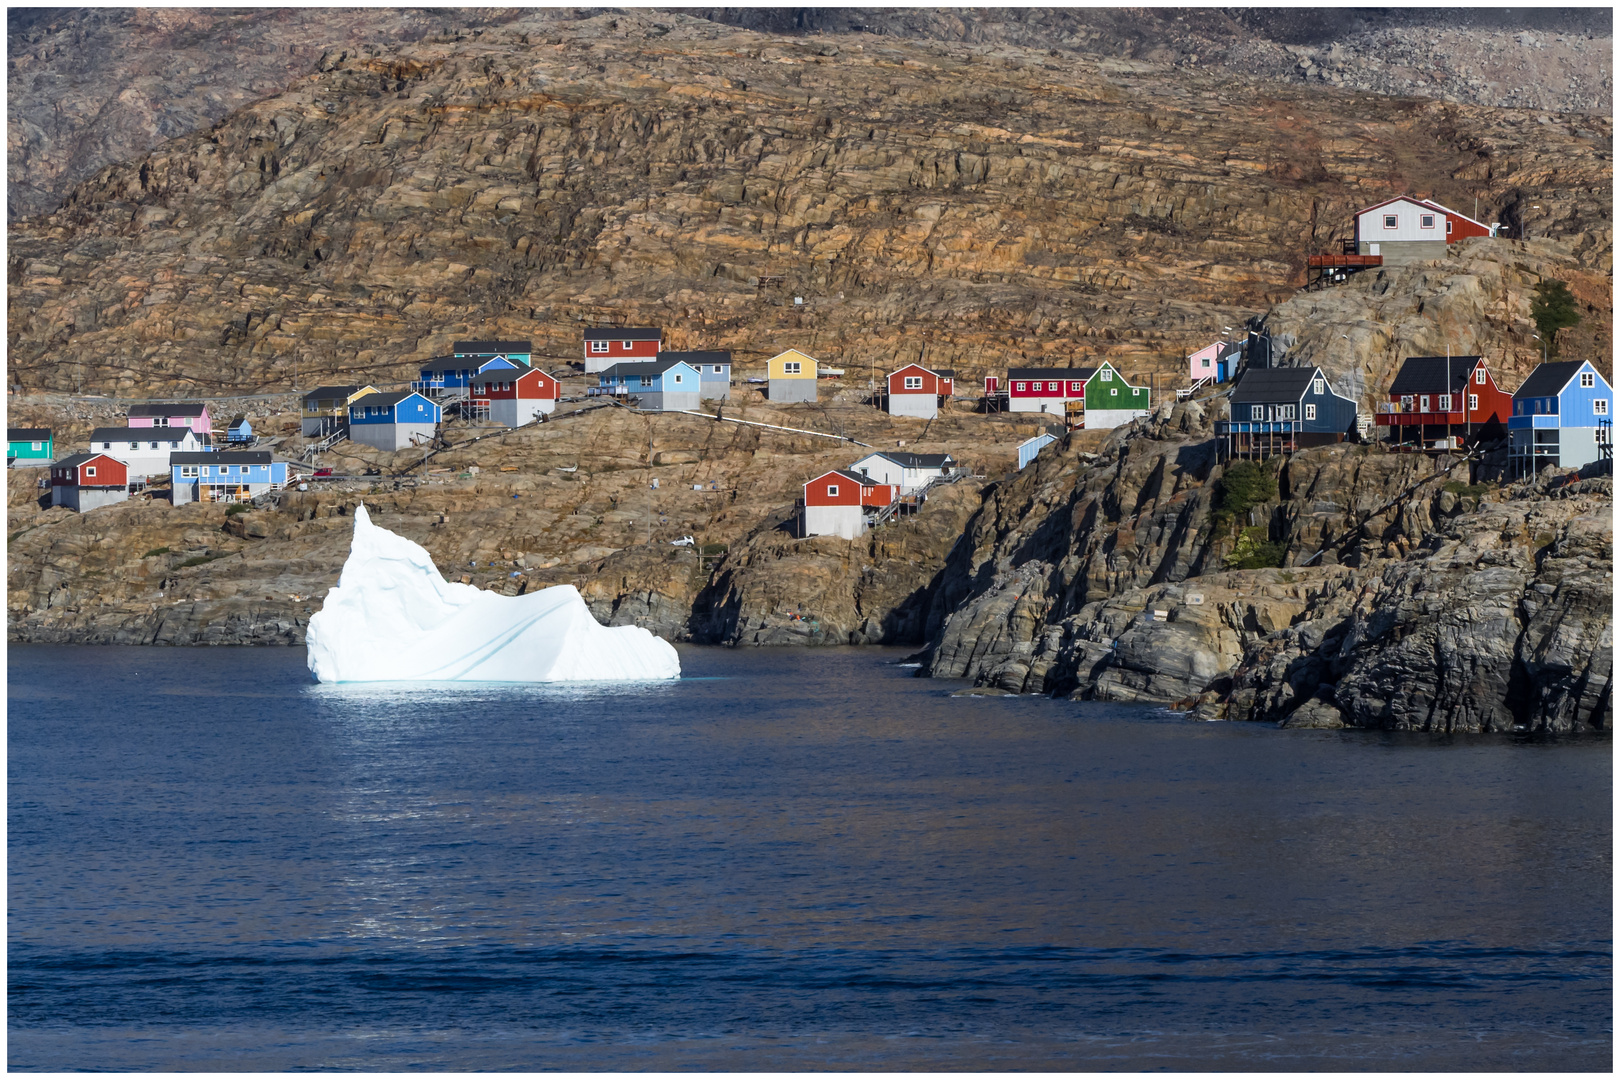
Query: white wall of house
x=923, y=406
x=389, y=436
x=86, y=499
x=845, y=521
x=515, y=412
x=1052, y=406
x=1107, y=418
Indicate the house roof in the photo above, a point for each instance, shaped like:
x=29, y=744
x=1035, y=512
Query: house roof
x=239, y=418
x=169, y=408
x=321, y=392
x=372, y=401
x=223, y=457
x=1273, y=384
x=644, y=367
x=915, y=461
x=458, y=363
x=27, y=434
x=142, y=434
x=1429, y=203
x=1427, y=375
x=490, y=348
x=721, y=356
x=76, y=460
x=1548, y=379
x=854, y=478
x=624, y=333
x=942, y=373
x=1047, y=435
x=1081, y=373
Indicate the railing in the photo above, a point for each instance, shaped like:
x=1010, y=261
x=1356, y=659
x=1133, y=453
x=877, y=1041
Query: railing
x=1184, y=393
x=326, y=443
x=1330, y=262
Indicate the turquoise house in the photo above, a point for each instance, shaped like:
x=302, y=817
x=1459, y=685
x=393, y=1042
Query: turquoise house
x=27, y=446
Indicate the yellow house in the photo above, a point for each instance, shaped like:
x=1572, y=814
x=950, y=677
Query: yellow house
x=326, y=408
x=792, y=376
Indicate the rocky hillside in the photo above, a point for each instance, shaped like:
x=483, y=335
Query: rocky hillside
x=977, y=204
x=1402, y=597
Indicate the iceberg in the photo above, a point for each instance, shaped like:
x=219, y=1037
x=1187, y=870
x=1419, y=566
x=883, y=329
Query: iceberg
x=393, y=617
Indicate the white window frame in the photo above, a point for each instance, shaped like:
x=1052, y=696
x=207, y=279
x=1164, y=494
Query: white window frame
x=188, y=472
x=1600, y=406
x=599, y=346
x=1318, y=386
x=106, y=446
x=36, y=446
x=677, y=376
x=1473, y=402
x=1425, y=221
x=1076, y=387
x=160, y=421
x=1448, y=226
x=1310, y=412
x=1423, y=403
x=1257, y=412
x=792, y=367
x=1113, y=392
x=1445, y=403
x=1479, y=376
x=1018, y=387
x=717, y=370
x=625, y=345
x=913, y=382
x=1285, y=412
x=1206, y=362
x=1392, y=221
x=832, y=491
x=1588, y=380
x=153, y=446
x=89, y=470
x=1106, y=375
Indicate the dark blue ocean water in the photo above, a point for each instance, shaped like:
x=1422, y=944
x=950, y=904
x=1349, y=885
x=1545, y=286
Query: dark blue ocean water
x=791, y=859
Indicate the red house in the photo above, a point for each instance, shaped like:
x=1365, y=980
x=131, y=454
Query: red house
x=609, y=345
x=1046, y=390
x=514, y=401
x=85, y=481
x=835, y=503
x=917, y=391
x=1437, y=399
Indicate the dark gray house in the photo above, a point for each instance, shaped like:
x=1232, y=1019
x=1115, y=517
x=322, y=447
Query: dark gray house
x=1282, y=410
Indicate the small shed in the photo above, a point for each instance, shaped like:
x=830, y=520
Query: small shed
x=1031, y=447
x=28, y=446
x=84, y=482
x=240, y=430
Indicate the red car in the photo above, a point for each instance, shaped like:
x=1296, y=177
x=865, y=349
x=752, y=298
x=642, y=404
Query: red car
x=322, y=472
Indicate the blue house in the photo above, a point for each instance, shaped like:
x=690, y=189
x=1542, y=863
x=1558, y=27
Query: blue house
x=224, y=475
x=714, y=372
x=662, y=385
x=1563, y=415
x=239, y=431
x=453, y=374
x=1030, y=448
x=1282, y=410
x=393, y=421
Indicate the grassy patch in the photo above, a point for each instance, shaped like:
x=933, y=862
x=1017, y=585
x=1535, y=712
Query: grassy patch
x=156, y=551
x=237, y=508
x=714, y=549
x=198, y=560
x=1457, y=487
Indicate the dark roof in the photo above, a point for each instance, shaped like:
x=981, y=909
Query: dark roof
x=239, y=418
x=27, y=434
x=1427, y=374
x=458, y=363
x=1042, y=374
x=372, y=401
x=695, y=358
x=917, y=461
x=624, y=333
x=223, y=457
x=141, y=434
x=1273, y=384
x=78, y=459
x=169, y=408
x=1548, y=379
x=644, y=367
x=490, y=348
x=847, y=475
x=331, y=392
x=1057, y=431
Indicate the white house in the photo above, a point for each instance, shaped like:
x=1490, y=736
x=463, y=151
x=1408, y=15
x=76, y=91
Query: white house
x=908, y=473
x=1408, y=230
x=145, y=450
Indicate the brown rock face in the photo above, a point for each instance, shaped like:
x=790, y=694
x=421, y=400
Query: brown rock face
x=985, y=205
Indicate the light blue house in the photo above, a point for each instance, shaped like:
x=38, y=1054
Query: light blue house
x=662, y=385
x=714, y=371
x=1563, y=415
x=239, y=431
x=453, y=374
x=224, y=476
x=393, y=421
x=1030, y=448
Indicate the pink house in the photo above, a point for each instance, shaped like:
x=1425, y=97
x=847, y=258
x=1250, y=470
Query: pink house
x=191, y=414
x=1214, y=363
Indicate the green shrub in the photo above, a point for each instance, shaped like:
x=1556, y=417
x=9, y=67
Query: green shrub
x=237, y=508
x=714, y=549
x=1241, y=488
x=1254, y=552
x=156, y=551
x=1457, y=487
x=1553, y=308
x=198, y=560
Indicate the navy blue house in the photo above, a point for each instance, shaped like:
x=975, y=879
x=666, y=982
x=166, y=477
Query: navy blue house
x=1281, y=410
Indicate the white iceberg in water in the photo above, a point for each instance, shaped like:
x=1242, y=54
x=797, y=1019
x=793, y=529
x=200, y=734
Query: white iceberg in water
x=392, y=617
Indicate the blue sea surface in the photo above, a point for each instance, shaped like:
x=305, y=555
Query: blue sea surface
x=790, y=859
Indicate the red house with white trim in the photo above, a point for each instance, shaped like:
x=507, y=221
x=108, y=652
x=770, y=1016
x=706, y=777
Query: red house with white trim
x=918, y=391
x=1436, y=398
x=85, y=481
x=836, y=502
x=1046, y=390
x=609, y=345
x=514, y=401
x=1406, y=230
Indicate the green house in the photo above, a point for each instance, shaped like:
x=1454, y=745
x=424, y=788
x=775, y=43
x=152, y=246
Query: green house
x=28, y=446
x=1111, y=401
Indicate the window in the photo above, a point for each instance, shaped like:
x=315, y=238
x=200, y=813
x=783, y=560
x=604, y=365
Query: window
x=89, y=470
x=1445, y=402
x=1114, y=392
x=790, y=367
x=716, y=370
x=154, y=446
x=162, y=421
x=1391, y=221
x=1448, y=226
x=36, y=446
x=1588, y=380
x=599, y=346
x=832, y=489
x=625, y=345
x=1018, y=386
x=1257, y=412
x=1205, y=362
x=1310, y=412
x=188, y=472
x=1479, y=376
x=913, y=382
x=1423, y=403
x=1075, y=387
x=677, y=376
x=1106, y=375
x=1600, y=406
x=1426, y=221
x=1285, y=412
x=1473, y=402
x=1317, y=386
x=106, y=446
